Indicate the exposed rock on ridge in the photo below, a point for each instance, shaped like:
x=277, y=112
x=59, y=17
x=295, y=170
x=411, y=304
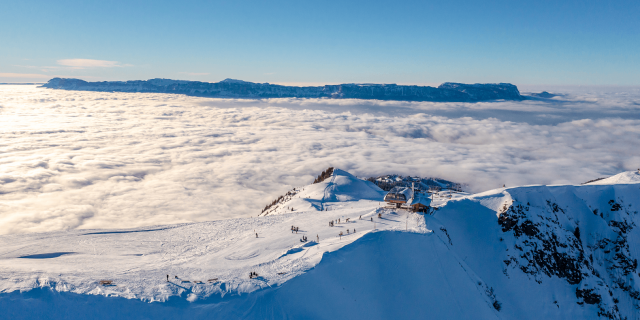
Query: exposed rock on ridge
x=582, y=238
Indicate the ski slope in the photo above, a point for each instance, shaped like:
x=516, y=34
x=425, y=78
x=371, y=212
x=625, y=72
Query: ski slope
x=138, y=260
x=530, y=252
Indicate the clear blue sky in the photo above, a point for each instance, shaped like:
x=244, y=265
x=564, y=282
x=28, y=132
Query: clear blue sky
x=413, y=42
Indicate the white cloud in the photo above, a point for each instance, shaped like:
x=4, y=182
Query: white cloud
x=74, y=159
x=88, y=63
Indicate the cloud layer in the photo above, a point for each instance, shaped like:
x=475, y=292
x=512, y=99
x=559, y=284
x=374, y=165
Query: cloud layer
x=105, y=160
x=88, y=63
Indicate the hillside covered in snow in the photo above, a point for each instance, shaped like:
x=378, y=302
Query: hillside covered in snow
x=230, y=88
x=552, y=252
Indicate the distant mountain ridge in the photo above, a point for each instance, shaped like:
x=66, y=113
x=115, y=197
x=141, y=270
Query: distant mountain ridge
x=230, y=88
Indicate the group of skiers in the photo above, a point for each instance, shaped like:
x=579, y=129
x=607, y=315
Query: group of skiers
x=294, y=229
x=253, y=275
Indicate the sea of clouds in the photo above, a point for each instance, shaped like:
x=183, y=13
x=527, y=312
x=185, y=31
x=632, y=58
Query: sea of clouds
x=71, y=159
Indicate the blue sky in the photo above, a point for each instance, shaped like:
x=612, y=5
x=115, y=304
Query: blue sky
x=298, y=42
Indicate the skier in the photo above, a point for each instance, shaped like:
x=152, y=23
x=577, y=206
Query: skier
x=167, y=278
x=256, y=234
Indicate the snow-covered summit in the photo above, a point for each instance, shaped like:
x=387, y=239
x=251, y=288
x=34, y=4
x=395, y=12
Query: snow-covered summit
x=339, y=186
x=627, y=177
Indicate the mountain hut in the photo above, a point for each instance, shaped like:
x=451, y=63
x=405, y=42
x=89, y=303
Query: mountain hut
x=420, y=203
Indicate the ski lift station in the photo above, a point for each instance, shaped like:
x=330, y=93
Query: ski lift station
x=399, y=196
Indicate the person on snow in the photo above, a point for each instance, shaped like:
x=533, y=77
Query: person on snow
x=256, y=234
x=167, y=278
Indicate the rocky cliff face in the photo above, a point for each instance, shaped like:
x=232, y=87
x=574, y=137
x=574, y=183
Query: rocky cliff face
x=562, y=249
x=229, y=88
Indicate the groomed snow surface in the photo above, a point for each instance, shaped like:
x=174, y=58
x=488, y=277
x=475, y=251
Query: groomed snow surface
x=391, y=264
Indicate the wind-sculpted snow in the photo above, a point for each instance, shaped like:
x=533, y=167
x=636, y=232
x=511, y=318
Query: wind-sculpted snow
x=75, y=159
x=229, y=88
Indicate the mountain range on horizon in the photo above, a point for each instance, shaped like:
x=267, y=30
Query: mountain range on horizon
x=230, y=88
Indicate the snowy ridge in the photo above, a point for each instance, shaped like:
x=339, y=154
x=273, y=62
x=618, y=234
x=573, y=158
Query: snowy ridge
x=511, y=253
x=621, y=178
x=230, y=88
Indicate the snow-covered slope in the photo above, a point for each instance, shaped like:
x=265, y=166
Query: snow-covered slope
x=230, y=88
x=512, y=253
x=551, y=250
x=621, y=178
x=138, y=260
x=339, y=187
